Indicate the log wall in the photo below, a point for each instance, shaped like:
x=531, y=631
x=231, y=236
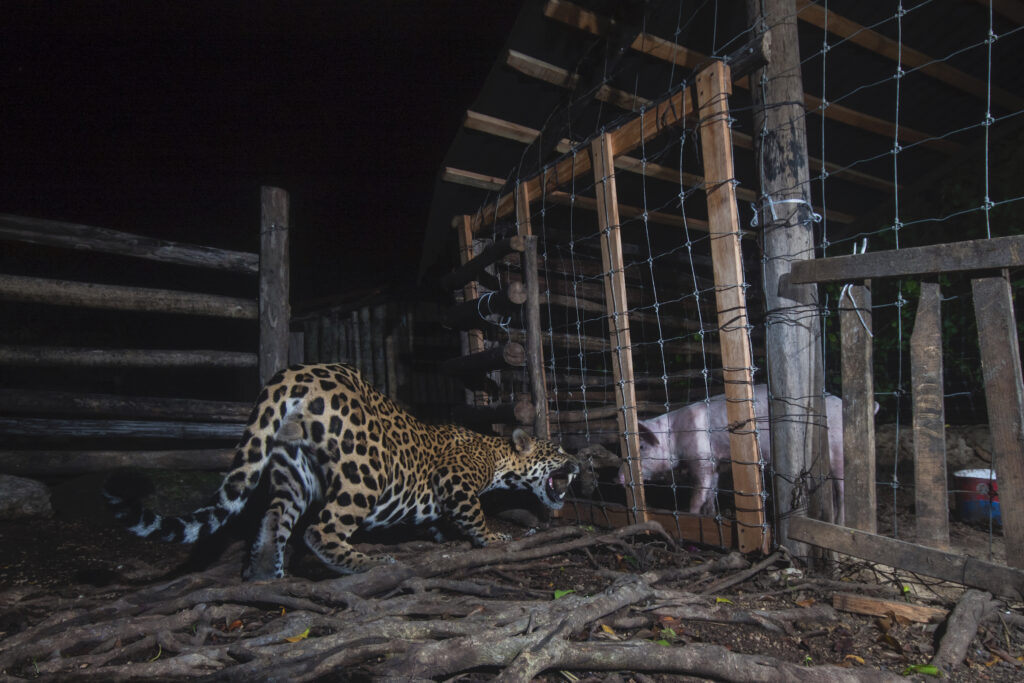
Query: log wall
x=71, y=404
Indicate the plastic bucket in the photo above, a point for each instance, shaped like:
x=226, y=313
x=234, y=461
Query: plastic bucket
x=977, y=496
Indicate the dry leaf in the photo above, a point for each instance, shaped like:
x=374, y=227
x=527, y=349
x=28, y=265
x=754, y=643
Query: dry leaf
x=301, y=636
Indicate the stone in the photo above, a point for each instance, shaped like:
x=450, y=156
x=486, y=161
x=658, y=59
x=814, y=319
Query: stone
x=22, y=498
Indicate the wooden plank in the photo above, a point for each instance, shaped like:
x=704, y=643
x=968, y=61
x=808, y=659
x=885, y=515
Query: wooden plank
x=877, y=607
x=534, y=348
x=907, y=56
x=48, y=462
x=507, y=355
x=125, y=358
x=275, y=304
x=1004, y=398
x=123, y=298
x=26, y=402
x=480, y=181
x=860, y=494
x=50, y=428
x=919, y=559
x=603, y=153
x=930, y=489
x=983, y=254
x=680, y=525
x=632, y=212
x=713, y=89
x=473, y=341
x=89, y=238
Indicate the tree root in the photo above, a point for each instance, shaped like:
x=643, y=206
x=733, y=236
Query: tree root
x=421, y=618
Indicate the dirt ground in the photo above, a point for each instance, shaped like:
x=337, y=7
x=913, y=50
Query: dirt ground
x=80, y=555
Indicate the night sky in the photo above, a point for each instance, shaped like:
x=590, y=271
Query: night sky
x=164, y=118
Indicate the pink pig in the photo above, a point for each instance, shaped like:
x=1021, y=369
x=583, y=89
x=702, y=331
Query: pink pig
x=698, y=435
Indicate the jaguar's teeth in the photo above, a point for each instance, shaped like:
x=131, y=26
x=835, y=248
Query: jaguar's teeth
x=572, y=475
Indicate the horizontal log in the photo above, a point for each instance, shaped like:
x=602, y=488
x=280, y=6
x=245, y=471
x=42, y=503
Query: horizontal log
x=606, y=411
x=124, y=358
x=598, y=380
x=919, y=559
x=45, y=428
x=511, y=354
x=21, y=402
x=519, y=413
x=472, y=269
x=89, y=238
x=47, y=462
x=121, y=298
x=470, y=314
x=984, y=254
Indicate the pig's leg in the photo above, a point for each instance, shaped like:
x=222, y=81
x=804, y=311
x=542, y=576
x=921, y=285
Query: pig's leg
x=704, y=470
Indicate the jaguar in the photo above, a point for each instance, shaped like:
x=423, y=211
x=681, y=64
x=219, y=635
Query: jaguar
x=327, y=443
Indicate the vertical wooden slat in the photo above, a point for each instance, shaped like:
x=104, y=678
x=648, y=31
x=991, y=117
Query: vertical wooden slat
x=356, y=335
x=366, y=343
x=713, y=89
x=930, y=488
x=618, y=321
x=380, y=370
x=860, y=494
x=275, y=310
x=1004, y=397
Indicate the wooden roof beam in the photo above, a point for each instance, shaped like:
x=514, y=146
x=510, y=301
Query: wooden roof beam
x=555, y=75
x=573, y=15
x=815, y=14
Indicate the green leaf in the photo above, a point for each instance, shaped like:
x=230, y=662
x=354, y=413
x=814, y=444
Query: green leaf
x=926, y=669
x=668, y=633
x=559, y=594
x=663, y=642
x=719, y=601
x=301, y=636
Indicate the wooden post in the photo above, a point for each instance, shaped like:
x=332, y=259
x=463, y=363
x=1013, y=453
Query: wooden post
x=1004, y=397
x=860, y=495
x=930, y=487
x=618, y=322
x=275, y=310
x=713, y=89
x=534, y=346
x=793, y=330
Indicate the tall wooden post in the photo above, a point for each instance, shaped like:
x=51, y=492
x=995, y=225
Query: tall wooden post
x=793, y=325
x=618, y=322
x=713, y=89
x=860, y=499
x=473, y=340
x=275, y=309
x=930, y=488
x=1004, y=399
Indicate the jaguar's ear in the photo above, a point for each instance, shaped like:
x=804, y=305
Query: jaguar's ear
x=522, y=441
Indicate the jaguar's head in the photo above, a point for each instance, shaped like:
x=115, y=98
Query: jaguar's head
x=540, y=466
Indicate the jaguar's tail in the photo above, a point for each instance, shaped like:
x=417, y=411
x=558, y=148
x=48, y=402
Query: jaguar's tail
x=124, y=492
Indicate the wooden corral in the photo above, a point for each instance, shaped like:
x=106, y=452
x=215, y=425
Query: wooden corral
x=633, y=295
x=62, y=397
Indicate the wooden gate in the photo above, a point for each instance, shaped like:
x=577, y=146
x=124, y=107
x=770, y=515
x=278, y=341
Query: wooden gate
x=1004, y=393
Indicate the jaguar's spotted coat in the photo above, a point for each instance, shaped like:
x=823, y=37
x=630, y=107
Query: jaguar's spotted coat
x=333, y=444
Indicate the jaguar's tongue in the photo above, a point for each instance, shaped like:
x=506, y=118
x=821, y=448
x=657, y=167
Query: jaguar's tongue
x=559, y=483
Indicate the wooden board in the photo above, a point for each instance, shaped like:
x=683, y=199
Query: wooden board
x=859, y=499
x=102, y=240
x=713, y=89
x=23, y=402
x=1004, y=398
x=876, y=607
x=121, y=298
x=997, y=252
x=996, y=579
x=275, y=282
x=603, y=152
x=46, y=462
x=680, y=525
x=125, y=358
x=930, y=487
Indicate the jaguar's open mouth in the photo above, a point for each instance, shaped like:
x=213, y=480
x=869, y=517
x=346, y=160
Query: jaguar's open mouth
x=559, y=482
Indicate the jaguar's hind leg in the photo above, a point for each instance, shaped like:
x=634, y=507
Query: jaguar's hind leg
x=294, y=485
x=329, y=539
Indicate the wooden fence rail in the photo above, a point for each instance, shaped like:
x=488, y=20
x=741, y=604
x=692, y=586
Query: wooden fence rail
x=56, y=415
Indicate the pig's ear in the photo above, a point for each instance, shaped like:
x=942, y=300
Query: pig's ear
x=646, y=435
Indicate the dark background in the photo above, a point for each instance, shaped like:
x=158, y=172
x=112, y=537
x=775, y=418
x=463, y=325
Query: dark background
x=164, y=118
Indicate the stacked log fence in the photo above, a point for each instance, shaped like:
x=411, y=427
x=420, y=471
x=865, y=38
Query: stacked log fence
x=61, y=412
